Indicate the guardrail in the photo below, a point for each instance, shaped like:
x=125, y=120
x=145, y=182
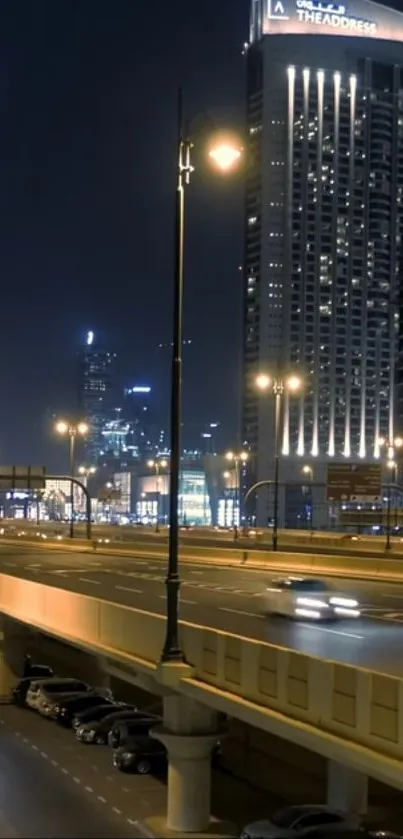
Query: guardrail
x=343, y=712
x=350, y=566
x=260, y=536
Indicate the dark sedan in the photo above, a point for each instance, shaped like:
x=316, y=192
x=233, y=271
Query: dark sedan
x=97, y=714
x=97, y=732
x=123, y=730
x=141, y=755
x=67, y=708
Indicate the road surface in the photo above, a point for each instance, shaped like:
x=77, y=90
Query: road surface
x=228, y=599
x=45, y=792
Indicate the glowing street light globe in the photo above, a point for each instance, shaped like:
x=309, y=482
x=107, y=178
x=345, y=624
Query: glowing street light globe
x=225, y=156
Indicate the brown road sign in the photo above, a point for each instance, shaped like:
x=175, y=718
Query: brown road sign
x=354, y=482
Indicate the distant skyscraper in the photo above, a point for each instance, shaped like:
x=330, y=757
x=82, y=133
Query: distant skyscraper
x=324, y=225
x=96, y=392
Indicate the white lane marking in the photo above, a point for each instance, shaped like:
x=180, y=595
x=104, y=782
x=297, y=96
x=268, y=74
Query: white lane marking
x=34, y=565
x=65, y=771
x=77, y=780
x=116, y=810
x=127, y=588
x=131, y=821
x=102, y=799
x=35, y=748
x=393, y=596
x=332, y=631
x=87, y=580
x=88, y=789
x=200, y=573
x=55, y=763
x=162, y=596
x=10, y=564
x=125, y=789
x=190, y=602
x=43, y=754
x=239, y=612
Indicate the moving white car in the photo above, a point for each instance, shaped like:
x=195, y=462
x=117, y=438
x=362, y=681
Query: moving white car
x=296, y=821
x=305, y=598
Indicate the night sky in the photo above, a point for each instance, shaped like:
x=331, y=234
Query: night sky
x=87, y=157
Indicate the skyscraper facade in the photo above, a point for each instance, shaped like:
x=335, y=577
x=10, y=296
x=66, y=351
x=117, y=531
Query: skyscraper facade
x=324, y=225
x=97, y=393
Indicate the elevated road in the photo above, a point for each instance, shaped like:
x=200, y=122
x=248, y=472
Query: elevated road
x=226, y=599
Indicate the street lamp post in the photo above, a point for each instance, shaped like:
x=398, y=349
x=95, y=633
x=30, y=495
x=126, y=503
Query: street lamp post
x=224, y=156
x=86, y=472
x=157, y=465
x=72, y=430
x=237, y=459
x=391, y=444
x=307, y=470
x=278, y=385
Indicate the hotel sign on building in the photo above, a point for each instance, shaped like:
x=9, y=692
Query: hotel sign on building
x=358, y=18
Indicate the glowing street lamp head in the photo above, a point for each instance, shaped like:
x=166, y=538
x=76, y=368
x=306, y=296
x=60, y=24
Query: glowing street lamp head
x=82, y=428
x=62, y=427
x=244, y=456
x=307, y=470
x=262, y=381
x=293, y=383
x=163, y=463
x=230, y=456
x=151, y=464
x=381, y=441
x=225, y=156
x=398, y=442
x=391, y=464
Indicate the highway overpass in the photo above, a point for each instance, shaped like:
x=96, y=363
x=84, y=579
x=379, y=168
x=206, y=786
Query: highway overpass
x=351, y=715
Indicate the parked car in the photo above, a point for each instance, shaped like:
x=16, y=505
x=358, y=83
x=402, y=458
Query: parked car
x=65, y=709
x=296, y=820
x=42, y=691
x=97, y=731
x=309, y=599
x=19, y=692
x=141, y=755
x=384, y=834
x=123, y=730
x=329, y=833
x=97, y=714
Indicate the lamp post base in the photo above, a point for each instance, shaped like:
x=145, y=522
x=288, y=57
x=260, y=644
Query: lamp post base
x=172, y=650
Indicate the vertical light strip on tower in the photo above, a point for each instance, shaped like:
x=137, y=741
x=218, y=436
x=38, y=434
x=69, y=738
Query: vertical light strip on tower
x=332, y=348
x=317, y=322
x=350, y=240
x=305, y=161
x=288, y=247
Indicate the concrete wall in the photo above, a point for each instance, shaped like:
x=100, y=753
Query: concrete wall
x=346, y=713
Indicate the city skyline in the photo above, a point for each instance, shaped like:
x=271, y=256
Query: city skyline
x=86, y=239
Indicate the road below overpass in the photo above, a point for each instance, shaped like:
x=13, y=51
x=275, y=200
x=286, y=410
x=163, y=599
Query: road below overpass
x=46, y=791
x=229, y=599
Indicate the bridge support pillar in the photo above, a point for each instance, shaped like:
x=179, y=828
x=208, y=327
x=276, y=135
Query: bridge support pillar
x=11, y=657
x=189, y=733
x=347, y=789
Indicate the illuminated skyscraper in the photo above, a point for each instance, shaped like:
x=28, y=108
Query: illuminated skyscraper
x=324, y=221
x=96, y=393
